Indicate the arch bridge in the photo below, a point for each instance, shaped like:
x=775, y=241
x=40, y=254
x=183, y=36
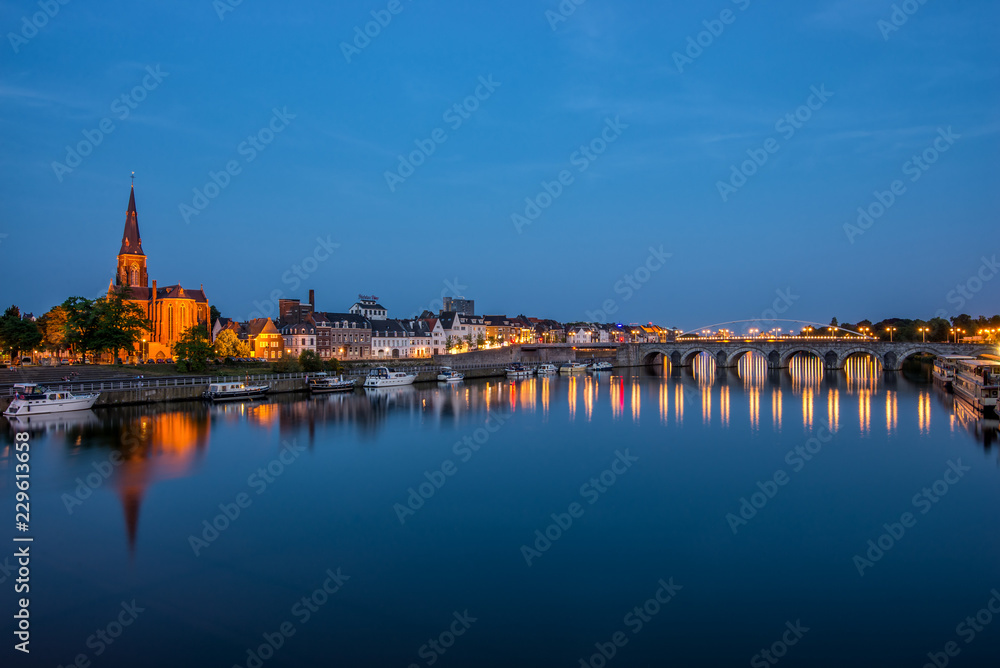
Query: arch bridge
x=779, y=352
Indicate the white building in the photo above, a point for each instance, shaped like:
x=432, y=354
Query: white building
x=299, y=337
x=368, y=307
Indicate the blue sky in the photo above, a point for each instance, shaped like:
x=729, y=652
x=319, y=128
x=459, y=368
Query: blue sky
x=680, y=126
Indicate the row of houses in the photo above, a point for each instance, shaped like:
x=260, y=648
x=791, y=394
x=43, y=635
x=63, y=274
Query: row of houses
x=366, y=332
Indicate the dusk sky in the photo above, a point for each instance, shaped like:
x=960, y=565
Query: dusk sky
x=672, y=120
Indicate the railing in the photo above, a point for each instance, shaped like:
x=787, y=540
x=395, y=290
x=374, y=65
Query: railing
x=142, y=383
x=184, y=381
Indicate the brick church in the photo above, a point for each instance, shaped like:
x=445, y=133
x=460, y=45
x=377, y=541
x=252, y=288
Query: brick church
x=171, y=309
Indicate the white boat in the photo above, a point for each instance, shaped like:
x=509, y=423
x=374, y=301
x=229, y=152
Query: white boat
x=572, y=367
x=599, y=366
x=321, y=383
x=449, y=375
x=978, y=383
x=232, y=391
x=944, y=368
x=517, y=370
x=33, y=399
x=385, y=377
x=546, y=368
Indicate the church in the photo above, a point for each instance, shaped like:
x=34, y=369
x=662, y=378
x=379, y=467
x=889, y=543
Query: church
x=171, y=309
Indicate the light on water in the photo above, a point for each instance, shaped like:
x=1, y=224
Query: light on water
x=854, y=448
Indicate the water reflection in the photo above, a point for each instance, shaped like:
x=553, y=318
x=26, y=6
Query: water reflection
x=156, y=443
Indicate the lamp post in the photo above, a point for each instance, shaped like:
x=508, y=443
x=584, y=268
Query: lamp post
x=890, y=330
x=923, y=334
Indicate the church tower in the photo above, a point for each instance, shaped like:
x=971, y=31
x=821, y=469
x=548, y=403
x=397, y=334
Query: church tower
x=131, y=260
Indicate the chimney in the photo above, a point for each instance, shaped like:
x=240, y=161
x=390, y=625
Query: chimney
x=312, y=299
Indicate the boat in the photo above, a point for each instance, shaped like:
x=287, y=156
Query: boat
x=321, y=383
x=449, y=375
x=231, y=391
x=517, y=370
x=34, y=399
x=572, y=367
x=546, y=369
x=382, y=376
x=977, y=382
x=944, y=368
x=599, y=366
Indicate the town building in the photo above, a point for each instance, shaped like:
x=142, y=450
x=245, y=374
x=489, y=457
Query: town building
x=501, y=329
x=343, y=336
x=368, y=306
x=389, y=339
x=292, y=310
x=299, y=337
x=459, y=305
x=266, y=342
x=468, y=329
x=170, y=309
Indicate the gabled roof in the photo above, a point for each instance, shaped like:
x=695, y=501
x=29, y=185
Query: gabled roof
x=131, y=241
x=259, y=326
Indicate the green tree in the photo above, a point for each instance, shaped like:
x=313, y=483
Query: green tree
x=451, y=343
x=193, y=349
x=480, y=340
x=287, y=364
x=17, y=333
x=333, y=365
x=121, y=324
x=53, y=328
x=310, y=361
x=213, y=315
x=227, y=344
x=81, y=326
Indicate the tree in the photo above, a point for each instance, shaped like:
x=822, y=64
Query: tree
x=81, y=326
x=287, y=364
x=193, y=349
x=480, y=340
x=213, y=315
x=333, y=365
x=121, y=324
x=52, y=325
x=17, y=333
x=310, y=361
x=451, y=342
x=227, y=344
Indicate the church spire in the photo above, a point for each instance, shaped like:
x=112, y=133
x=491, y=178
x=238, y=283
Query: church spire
x=131, y=241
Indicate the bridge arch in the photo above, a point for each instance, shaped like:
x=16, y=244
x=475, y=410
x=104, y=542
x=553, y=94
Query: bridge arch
x=687, y=357
x=737, y=355
x=859, y=350
x=787, y=355
x=908, y=353
x=650, y=355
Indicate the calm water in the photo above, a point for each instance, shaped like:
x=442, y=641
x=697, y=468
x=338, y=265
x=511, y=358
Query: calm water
x=645, y=472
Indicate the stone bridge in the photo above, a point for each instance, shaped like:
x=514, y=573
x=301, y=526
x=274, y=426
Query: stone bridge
x=778, y=352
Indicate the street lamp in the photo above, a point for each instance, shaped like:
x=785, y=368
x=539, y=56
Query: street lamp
x=890, y=330
x=923, y=334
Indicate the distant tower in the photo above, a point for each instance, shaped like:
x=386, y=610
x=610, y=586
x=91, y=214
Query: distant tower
x=131, y=259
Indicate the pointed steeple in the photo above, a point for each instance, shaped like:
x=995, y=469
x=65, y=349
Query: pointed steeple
x=131, y=241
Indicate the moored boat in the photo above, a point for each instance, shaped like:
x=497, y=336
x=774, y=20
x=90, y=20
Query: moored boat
x=517, y=370
x=572, y=367
x=599, y=366
x=546, y=369
x=449, y=375
x=977, y=382
x=385, y=377
x=322, y=383
x=34, y=399
x=944, y=368
x=232, y=391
